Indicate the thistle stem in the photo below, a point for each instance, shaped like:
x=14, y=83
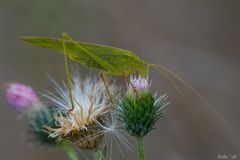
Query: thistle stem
x=69, y=150
x=100, y=154
x=140, y=148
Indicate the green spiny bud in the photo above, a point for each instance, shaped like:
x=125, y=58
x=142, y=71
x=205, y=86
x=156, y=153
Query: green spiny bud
x=140, y=111
x=39, y=118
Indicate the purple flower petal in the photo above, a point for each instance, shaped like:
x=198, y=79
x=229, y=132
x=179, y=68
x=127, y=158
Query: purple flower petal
x=139, y=83
x=20, y=96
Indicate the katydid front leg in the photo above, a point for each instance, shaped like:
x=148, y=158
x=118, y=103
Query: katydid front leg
x=134, y=88
x=105, y=84
x=67, y=74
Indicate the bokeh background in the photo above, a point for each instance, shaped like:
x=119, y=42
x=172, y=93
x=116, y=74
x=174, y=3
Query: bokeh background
x=198, y=39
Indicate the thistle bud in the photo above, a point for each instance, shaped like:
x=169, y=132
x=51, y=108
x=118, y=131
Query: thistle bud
x=38, y=120
x=141, y=111
x=20, y=96
x=24, y=99
x=138, y=83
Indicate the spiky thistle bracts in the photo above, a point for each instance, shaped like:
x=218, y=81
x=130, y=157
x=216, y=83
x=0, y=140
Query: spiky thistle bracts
x=38, y=120
x=141, y=111
x=91, y=103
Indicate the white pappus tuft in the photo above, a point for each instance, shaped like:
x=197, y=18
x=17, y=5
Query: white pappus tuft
x=113, y=131
x=90, y=100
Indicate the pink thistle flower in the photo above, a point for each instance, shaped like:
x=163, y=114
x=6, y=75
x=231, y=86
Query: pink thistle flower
x=139, y=83
x=20, y=96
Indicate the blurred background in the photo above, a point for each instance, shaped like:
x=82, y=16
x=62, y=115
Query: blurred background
x=197, y=39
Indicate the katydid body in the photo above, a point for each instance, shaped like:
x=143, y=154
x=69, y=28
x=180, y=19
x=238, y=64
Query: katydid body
x=112, y=61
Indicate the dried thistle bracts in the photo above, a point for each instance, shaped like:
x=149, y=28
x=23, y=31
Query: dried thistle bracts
x=86, y=135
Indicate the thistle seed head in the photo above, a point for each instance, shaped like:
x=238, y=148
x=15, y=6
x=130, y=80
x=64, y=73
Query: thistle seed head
x=91, y=103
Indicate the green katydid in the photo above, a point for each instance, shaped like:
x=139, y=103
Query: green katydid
x=112, y=61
